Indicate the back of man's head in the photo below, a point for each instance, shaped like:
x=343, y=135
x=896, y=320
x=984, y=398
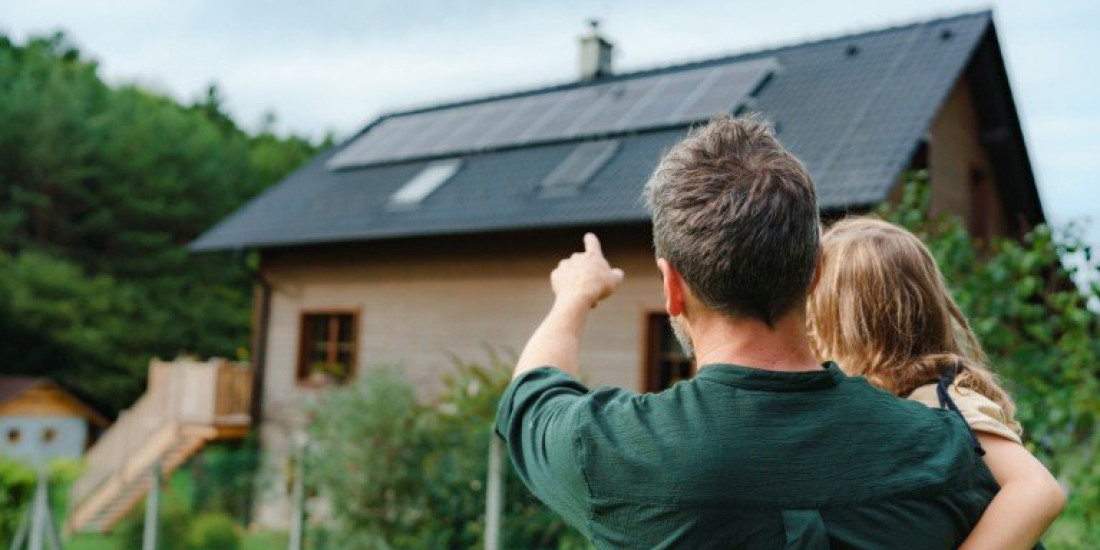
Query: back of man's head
x=736, y=215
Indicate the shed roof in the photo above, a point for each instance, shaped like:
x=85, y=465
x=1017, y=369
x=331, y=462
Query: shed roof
x=14, y=387
x=853, y=108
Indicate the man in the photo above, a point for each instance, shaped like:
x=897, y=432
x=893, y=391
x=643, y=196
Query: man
x=764, y=447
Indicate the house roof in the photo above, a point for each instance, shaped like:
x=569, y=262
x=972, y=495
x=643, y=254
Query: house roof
x=13, y=387
x=853, y=108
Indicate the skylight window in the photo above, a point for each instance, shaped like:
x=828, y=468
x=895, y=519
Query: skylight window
x=424, y=183
x=578, y=168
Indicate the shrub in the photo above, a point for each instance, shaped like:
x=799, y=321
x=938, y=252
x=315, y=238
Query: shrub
x=172, y=532
x=401, y=474
x=213, y=532
x=17, y=485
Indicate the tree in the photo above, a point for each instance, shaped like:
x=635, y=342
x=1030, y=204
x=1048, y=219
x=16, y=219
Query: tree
x=101, y=189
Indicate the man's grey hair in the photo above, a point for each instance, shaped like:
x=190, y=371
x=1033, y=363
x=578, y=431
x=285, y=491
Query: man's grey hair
x=736, y=215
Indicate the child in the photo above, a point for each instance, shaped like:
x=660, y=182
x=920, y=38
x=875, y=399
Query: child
x=882, y=311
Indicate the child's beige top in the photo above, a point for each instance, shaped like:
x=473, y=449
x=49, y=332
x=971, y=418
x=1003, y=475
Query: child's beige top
x=980, y=412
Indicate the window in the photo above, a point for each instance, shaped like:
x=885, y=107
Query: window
x=14, y=436
x=578, y=168
x=327, y=350
x=665, y=361
x=49, y=435
x=982, y=199
x=424, y=183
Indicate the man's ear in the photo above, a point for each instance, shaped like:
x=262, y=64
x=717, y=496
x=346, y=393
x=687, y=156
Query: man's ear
x=673, y=285
x=819, y=268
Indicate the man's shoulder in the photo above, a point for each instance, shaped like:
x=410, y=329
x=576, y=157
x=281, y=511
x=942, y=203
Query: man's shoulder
x=858, y=394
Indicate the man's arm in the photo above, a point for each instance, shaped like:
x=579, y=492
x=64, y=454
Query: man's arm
x=1029, y=500
x=540, y=415
x=579, y=283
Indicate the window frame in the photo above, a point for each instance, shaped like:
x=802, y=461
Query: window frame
x=301, y=368
x=652, y=354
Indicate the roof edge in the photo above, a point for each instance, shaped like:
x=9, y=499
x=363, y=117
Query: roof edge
x=676, y=66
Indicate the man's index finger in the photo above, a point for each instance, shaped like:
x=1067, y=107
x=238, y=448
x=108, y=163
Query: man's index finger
x=592, y=244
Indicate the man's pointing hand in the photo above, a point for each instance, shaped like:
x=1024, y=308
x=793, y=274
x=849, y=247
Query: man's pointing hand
x=586, y=276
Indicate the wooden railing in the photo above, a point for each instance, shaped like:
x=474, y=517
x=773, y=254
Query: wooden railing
x=181, y=394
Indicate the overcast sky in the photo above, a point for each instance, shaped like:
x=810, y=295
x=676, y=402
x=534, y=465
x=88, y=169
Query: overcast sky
x=334, y=65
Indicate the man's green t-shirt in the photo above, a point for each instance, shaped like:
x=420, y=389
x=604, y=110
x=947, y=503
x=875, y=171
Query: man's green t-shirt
x=745, y=458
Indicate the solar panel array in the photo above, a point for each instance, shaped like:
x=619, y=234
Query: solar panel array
x=607, y=108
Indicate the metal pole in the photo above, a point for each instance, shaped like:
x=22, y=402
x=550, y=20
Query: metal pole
x=21, y=532
x=494, y=494
x=40, y=512
x=53, y=537
x=152, y=509
x=298, y=495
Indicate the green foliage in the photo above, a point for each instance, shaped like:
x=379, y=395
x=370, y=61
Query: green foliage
x=17, y=485
x=213, y=532
x=223, y=478
x=401, y=474
x=263, y=540
x=172, y=528
x=101, y=188
x=16, y=490
x=179, y=528
x=52, y=313
x=1041, y=337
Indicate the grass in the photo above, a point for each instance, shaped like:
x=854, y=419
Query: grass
x=258, y=540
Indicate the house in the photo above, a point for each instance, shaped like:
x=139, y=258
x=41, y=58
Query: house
x=431, y=231
x=40, y=421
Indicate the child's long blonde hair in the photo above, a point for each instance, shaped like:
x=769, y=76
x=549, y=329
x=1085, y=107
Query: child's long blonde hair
x=882, y=311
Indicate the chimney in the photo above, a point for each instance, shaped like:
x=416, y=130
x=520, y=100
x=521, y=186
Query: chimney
x=595, y=53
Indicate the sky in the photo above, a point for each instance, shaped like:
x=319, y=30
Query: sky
x=333, y=66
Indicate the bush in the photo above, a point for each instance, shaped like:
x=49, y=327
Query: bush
x=213, y=532
x=172, y=532
x=223, y=477
x=401, y=474
x=17, y=485
x=16, y=490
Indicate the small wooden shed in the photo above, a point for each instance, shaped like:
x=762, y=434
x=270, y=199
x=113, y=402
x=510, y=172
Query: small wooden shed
x=41, y=421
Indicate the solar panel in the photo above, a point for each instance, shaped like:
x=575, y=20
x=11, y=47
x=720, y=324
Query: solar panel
x=630, y=104
x=521, y=116
x=465, y=129
x=571, y=107
x=659, y=109
x=730, y=85
x=617, y=101
x=577, y=168
x=436, y=126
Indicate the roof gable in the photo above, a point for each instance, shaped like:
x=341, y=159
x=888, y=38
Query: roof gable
x=852, y=108
x=15, y=388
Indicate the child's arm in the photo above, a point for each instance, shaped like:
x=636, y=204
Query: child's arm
x=1029, y=500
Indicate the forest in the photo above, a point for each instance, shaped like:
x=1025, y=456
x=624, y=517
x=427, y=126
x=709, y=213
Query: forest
x=102, y=186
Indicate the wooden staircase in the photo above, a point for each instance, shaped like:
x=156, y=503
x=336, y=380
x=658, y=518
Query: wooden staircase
x=187, y=405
